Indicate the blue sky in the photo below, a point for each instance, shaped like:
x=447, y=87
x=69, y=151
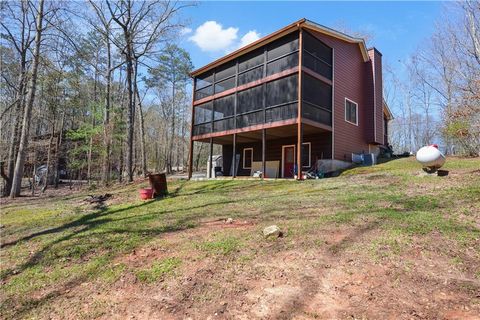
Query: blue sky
x=398, y=28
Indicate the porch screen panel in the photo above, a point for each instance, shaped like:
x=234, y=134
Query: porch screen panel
x=282, y=54
x=202, y=128
x=312, y=112
x=250, y=100
x=317, y=98
x=282, y=91
x=318, y=56
x=204, y=92
x=282, y=46
x=204, y=85
x=223, y=113
x=225, y=77
x=250, y=75
x=317, y=92
x=224, y=124
x=282, y=112
x=225, y=71
x=225, y=85
x=203, y=113
x=250, y=66
x=202, y=118
x=250, y=119
x=224, y=107
x=282, y=64
x=251, y=60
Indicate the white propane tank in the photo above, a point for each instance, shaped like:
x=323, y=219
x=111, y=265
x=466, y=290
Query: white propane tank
x=431, y=158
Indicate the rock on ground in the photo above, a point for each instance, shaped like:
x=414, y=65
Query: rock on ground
x=272, y=231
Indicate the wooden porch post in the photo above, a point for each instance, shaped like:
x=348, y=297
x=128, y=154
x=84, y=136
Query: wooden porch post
x=234, y=158
x=209, y=175
x=299, y=116
x=264, y=133
x=192, y=121
x=190, y=160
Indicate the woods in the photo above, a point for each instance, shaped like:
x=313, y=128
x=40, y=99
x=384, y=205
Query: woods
x=80, y=82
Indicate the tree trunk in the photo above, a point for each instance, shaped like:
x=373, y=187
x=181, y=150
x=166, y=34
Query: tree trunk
x=49, y=155
x=142, y=135
x=57, y=152
x=172, y=137
x=22, y=148
x=131, y=106
x=106, y=118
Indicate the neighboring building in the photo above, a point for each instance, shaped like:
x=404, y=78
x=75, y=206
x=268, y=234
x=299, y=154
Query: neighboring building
x=305, y=87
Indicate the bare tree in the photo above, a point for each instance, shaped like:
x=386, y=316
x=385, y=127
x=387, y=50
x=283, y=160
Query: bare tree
x=142, y=25
x=22, y=148
x=17, y=18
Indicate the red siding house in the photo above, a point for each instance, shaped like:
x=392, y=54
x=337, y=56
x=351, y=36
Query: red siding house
x=303, y=93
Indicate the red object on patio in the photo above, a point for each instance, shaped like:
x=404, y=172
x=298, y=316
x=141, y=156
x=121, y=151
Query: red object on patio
x=146, y=193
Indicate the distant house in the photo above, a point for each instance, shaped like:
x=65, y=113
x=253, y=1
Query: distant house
x=303, y=88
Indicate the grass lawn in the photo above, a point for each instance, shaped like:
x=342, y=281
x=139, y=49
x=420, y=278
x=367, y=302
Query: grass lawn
x=376, y=242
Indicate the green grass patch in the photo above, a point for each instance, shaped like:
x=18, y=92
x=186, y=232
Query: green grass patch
x=158, y=270
x=222, y=246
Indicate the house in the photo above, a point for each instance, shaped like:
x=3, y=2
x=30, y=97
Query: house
x=302, y=93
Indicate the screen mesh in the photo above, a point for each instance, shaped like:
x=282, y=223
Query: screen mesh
x=203, y=113
x=282, y=90
x=317, y=92
x=224, y=107
x=250, y=99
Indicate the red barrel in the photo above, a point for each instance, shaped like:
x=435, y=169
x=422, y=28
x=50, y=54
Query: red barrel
x=146, y=193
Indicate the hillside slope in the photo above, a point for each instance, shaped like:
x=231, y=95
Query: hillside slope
x=376, y=242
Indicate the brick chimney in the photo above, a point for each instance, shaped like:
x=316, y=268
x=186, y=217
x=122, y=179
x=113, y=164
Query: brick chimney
x=375, y=87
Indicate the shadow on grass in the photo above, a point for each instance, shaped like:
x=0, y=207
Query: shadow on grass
x=84, y=220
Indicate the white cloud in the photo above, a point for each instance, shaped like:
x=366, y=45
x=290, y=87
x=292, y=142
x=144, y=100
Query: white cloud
x=211, y=36
x=249, y=37
x=185, y=31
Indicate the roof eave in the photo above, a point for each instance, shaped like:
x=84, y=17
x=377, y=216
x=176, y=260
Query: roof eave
x=339, y=35
x=387, y=110
x=277, y=34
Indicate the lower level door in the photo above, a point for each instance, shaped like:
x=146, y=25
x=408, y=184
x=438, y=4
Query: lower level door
x=288, y=160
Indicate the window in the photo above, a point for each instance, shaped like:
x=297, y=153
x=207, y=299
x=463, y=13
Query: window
x=351, y=112
x=247, y=158
x=306, y=154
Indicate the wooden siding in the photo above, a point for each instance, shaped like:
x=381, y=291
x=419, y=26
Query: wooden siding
x=349, y=82
x=320, y=144
x=378, y=91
